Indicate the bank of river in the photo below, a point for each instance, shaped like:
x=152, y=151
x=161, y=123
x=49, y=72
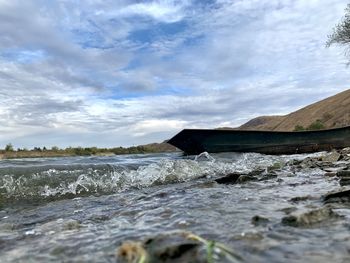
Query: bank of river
x=263, y=208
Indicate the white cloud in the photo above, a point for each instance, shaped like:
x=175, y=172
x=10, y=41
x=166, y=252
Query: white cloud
x=168, y=11
x=156, y=125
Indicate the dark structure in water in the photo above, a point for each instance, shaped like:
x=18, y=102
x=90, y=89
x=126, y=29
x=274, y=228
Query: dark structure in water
x=195, y=141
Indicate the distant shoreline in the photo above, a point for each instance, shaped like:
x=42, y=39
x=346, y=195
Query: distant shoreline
x=87, y=151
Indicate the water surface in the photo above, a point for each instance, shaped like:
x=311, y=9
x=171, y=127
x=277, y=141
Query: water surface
x=80, y=209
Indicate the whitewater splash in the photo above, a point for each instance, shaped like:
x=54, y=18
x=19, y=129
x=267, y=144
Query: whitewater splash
x=54, y=181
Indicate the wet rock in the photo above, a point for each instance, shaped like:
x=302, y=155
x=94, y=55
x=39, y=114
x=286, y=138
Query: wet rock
x=344, y=181
x=238, y=178
x=275, y=166
x=71, y=224
x=344, y=177
x=228, y=179
x=343, y=174
x=174, y=248
x=337, y=197
x=310, y=218
x=330, y=174
x=300, y=198
x=257, y=171
x=268, y=176
x=161, y=248
x=259, y=220
x=331, y=157
x=246, y=178
x=309, y=163
x=294, y=162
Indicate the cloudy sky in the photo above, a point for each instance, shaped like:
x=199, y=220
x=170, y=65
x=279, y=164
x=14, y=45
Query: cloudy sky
x=122, y=72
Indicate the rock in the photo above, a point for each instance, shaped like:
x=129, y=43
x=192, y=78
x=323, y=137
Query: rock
x=330, y=174
x=259, y=220
x=235, y=178
x=161, y=248
x=331, y=157
x=344, y=181
x=275, y=166
x=246, y=178
x=294, y=162
x=344, y=177
x=71, y=224
x=310, y=218
x=268, y=176
x=309, y=163
x=300, y=198
x=343, y=173
x=337, y=197
x=174, y=247
x=228, y=179
x=257, y=171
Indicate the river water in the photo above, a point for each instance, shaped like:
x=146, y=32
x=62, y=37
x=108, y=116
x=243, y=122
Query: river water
x=80, y=209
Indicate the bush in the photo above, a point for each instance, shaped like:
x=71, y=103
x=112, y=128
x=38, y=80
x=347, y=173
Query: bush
x=317, y=125
x=299, y=128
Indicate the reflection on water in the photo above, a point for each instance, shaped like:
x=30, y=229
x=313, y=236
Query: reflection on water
x=81, y=209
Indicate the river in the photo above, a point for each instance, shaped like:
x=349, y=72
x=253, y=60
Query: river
x=81, y=209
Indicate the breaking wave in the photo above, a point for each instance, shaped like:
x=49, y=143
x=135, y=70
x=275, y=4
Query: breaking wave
x=58, y=181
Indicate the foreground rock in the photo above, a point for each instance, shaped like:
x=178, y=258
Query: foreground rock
x=176, y=247
x=310, y=218
x=161, y=248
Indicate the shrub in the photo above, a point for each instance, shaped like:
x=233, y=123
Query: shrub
x=317, y=125
x=299, y=128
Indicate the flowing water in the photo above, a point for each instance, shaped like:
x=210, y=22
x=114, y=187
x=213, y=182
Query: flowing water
x=80, y=209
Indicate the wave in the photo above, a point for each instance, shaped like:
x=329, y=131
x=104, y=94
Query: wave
x=52, y=182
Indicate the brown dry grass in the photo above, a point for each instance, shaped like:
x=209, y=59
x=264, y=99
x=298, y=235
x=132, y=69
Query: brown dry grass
x=334, y=112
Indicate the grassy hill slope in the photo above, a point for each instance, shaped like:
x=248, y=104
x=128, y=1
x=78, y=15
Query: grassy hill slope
x=331, y=112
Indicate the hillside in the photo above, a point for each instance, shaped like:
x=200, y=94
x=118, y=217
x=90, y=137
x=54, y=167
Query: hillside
x=331, y=112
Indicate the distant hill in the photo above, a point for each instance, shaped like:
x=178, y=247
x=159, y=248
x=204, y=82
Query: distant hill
x=331, y=112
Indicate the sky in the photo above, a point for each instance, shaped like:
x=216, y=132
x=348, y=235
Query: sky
x=122, y=73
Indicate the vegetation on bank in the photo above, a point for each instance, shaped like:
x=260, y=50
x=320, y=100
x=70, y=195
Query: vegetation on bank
x=10, y=152
x=316, y=125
